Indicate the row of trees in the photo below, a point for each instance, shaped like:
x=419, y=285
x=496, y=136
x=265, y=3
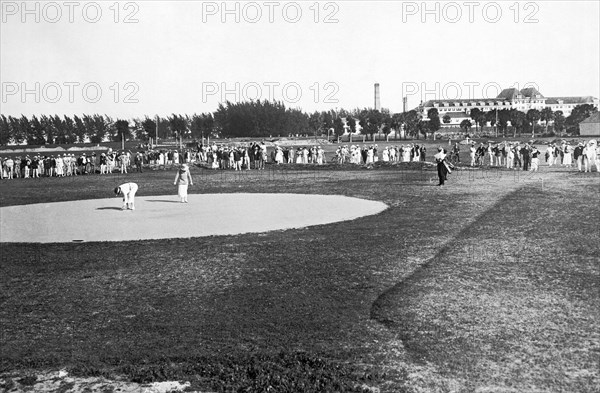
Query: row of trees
x=230, y=120
x=267, y=119
x=98, y=128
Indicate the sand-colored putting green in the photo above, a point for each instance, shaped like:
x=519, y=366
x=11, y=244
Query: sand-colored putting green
x=163, y=217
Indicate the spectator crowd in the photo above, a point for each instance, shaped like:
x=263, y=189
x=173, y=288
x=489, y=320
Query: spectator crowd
x=512, y=155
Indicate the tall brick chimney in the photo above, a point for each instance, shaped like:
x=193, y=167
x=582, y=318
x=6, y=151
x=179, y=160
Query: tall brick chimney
x=377, y=98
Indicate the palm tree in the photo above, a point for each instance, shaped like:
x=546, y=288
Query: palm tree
x=533, y=115
x=475, y=114
x=466, y=125
x=546, y=115
x=559, y=122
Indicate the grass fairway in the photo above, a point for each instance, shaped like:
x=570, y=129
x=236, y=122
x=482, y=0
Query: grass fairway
x=490, y=284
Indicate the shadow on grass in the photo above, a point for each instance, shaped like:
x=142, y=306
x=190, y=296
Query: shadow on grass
x=388, y=306
x=162, y=200
x=108, y=208
x=483, y=299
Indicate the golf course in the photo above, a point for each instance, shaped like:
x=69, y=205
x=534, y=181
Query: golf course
x=488, y=284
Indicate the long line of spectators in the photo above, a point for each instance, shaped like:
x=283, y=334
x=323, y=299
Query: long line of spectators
x=257, y=154
x=67, y=164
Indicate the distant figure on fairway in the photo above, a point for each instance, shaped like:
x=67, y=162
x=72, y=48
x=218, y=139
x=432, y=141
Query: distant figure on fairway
x=128, y=191
x=443, y=166
x=535, y=163
x=183, y=179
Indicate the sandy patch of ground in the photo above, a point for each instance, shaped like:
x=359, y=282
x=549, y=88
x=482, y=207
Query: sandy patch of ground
x=162, y=217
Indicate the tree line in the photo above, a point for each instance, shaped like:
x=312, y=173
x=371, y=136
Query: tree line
x=255, y=119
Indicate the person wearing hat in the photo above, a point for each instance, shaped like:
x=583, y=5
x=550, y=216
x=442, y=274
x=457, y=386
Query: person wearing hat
x=415, y=153
x=103, y=164
x=68, y=160
x=182, y=180
x=472, y=152
x=305, y=155
x=50, y=166
x=490, y=152
x=9, y=163
x=535, y=162
x=123, y=162
x=518, y=156
x=59, y=166
x=525, y=153
x=549, y=155
x=35, y=167
x=18, y=167
x=578, y=155
x=82, y=163
x=26, y=163
x=128, y=191
x=139, y=161
x=443, y=166
x=557, y=154
x=567, y=153
x=92, y=163
x=510, y=156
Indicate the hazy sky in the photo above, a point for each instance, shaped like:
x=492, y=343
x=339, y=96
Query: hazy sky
x=186, y=57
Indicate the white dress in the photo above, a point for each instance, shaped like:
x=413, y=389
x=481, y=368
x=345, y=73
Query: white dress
x=405, y=154
x=417, y=156
x=510, y=156
x=567, y=156
x=279, y=156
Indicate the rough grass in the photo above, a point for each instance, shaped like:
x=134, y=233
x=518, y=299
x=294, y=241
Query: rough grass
x=488, y=284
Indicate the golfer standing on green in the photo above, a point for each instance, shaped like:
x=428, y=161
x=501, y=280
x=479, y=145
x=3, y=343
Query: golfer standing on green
x=182, y=180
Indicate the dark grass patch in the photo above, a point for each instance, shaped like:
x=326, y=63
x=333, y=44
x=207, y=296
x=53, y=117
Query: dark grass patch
x=28, y=380
x=257, y=372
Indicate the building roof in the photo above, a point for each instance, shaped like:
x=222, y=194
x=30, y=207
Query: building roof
x=508, y=94
x=457, y=102
x=570, y=100
x=530, y=92
x=594, y=118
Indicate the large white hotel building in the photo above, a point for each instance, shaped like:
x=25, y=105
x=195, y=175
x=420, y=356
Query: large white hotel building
x=512, y=98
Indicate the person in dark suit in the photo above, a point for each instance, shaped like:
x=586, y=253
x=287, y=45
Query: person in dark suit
x=578, y=155
x=526, y=154
x=139, y=160
x=443, y=166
